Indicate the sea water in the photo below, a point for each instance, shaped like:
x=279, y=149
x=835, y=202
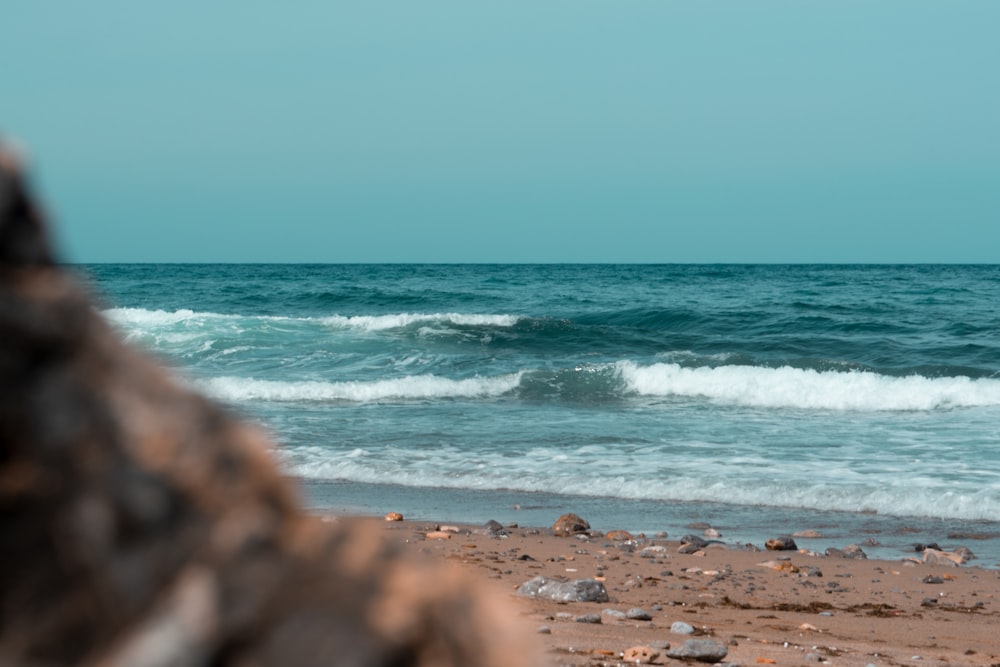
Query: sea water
x=859, y=401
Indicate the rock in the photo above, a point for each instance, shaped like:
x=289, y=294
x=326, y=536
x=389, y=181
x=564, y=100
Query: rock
x=695, y=541
x=588, y=618
x=681, y=628
x=614, y=613
x=808, y=534
x=438, y=535
x=568, y=525
x=712, y=533
x=544, y=630
x=640, y=655
x=702, y=650
x=580, y=590
x=659, y=644
x=784, y=543
x=619, y=536
x=638, y=614
x=492, y=529
x=780, y=565
x=946, y=558
x=932, y=579
x=393, y=516
x=854, y=551
x=965, y=553
x=688, y=549
x=145, y=525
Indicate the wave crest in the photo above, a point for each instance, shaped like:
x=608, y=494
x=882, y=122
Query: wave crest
x=405, y=388
x=788, y=387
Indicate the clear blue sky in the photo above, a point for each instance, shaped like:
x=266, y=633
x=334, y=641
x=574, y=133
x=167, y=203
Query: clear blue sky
x=645, y=131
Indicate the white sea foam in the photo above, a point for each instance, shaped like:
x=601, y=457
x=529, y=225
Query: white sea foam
x=400, y=320
x=141, y=318
x=580, y=473
x=788, y=387
x=405, y=388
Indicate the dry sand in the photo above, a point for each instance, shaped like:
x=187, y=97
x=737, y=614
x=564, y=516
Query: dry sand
x=850, y=612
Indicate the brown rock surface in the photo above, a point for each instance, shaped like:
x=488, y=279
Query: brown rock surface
x=568, y=525
x=141, y=525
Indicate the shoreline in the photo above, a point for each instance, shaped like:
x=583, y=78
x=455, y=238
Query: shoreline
x=764, y=607
x=881, y=536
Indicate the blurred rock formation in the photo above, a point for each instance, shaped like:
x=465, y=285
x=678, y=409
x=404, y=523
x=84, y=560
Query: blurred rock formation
x=140, y=524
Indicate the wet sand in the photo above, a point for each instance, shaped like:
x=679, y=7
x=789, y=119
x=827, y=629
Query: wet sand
x=767, y=607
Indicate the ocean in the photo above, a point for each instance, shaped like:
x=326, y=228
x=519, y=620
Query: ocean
x=862, y=402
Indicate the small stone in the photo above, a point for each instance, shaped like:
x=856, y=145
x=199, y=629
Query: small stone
x=946, y=558
x=640, y=655
x=589, y=618
x=681, y=628
x=544, y=630
x=783, y=543
x=712, y=533
x=580, y=590
x=659, y=644
x=854, y=551
x=702, y=650
x=614, y=613
x=932, y=579
x=808, y=534
x=638, y=614
x=393, y=516
x=568, y=525
x=619, y=536
x=494, y=526
x=695, y=540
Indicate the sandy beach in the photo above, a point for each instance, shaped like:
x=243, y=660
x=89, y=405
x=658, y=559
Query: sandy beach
x=793, y=607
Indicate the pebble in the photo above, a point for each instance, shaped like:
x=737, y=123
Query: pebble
x=783, y=543
x=438, y=535
x=588, y=618
x=640, y=655
x=808, y=534
x=579, y=590
x=614, y=613
x=544, y=630
x=682, y=628
x=569, y=524
x=703, y=650
x=619, y=536
x=638, y=614
x=393, y=516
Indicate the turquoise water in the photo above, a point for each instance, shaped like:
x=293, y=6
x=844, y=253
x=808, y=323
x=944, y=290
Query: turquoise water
x=863, y=400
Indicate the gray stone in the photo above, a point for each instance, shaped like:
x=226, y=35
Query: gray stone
x=588, y=618
x=697, y=541
x=702, y=650
x=682, y=628
x=783, y=543
x=638, y=614
x=579, y=590
x=614, y=613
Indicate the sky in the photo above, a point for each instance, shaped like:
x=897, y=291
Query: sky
x=542, y=131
